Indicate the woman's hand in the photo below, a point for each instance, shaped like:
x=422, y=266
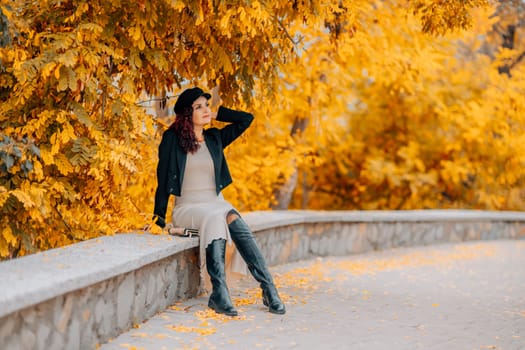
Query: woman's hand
x=215, y=97
x=168, y=227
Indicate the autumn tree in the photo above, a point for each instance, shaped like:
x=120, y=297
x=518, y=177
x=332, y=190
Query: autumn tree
x=77, y=150
x=404, y=121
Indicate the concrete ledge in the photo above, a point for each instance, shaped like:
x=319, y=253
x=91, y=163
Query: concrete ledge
x=38, y=277
x=262, y=220
x=81, y=295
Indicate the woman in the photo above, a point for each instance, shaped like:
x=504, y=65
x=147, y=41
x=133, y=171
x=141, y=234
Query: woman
x=192, y=167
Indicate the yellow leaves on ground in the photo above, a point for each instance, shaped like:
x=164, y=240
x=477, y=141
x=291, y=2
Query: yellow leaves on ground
x=416, y=259
x=207, y=320
x=203, y=323
x=309, y=277
x=199, y=330
x=130, y=347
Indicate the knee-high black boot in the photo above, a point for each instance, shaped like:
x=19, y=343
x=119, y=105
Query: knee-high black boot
x=247, y=246
x=220, y=297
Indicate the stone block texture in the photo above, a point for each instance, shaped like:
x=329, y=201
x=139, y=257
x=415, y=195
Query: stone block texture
x=89, y=316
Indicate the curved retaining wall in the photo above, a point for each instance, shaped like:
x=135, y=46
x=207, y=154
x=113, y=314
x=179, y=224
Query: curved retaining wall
x=82, y=295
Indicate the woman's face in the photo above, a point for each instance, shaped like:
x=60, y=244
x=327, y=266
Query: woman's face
x=201, y=111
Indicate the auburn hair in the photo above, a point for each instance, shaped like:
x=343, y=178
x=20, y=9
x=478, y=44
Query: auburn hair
x=183, y=126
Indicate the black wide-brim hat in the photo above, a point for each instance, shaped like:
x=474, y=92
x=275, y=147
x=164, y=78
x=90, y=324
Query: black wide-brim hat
x=187, y=97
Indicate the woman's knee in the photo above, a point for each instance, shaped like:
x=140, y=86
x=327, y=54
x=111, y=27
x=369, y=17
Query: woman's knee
x=236, y=223
x=232, y=216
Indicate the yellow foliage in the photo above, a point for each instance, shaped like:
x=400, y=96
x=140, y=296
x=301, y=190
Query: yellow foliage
x=422, y=129
x=352, y=109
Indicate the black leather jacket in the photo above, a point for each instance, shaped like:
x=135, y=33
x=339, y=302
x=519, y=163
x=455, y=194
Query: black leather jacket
x=172, y=159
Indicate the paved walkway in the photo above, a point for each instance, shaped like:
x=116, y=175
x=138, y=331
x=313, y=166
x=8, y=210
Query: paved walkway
x=452, y=296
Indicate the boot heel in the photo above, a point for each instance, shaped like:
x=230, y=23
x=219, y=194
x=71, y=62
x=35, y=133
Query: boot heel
x=228, y=310
x=275, y=305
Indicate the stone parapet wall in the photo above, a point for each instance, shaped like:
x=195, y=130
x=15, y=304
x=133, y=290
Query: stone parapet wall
x=286, y=244
x=83, y=318
x=81, y=295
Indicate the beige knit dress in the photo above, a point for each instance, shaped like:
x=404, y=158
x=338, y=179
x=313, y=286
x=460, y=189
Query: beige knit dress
x=199, y=207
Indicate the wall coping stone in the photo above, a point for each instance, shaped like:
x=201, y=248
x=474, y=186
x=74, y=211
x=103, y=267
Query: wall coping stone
x=35, y=278
x=262, y=220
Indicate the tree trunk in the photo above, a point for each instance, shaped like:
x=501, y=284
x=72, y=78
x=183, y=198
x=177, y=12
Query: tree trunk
x=283, y=195
x=512, y=20
x=5, y=39
x=508, y=43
